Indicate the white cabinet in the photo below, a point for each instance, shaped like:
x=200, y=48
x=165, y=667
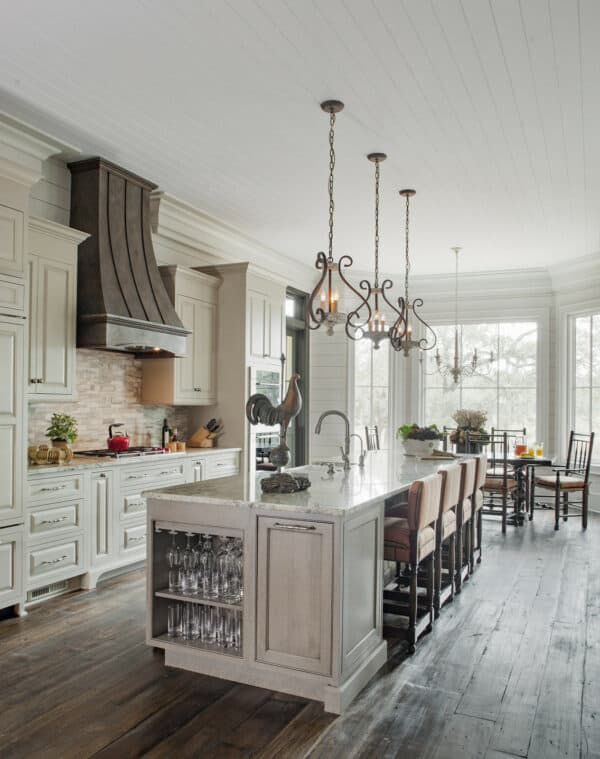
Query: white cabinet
x=52, y=309
x=294, y=594
x=12, y=419
x=190, y=380
x=11, y=566
x=265, y=323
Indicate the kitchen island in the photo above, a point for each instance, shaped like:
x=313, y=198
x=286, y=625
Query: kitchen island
x=310, y=617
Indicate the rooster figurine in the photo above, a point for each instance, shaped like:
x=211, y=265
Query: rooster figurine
x=260, y=410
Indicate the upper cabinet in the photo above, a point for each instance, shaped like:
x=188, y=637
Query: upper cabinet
x=190, y=380
x=265, y=320
x=52, y=309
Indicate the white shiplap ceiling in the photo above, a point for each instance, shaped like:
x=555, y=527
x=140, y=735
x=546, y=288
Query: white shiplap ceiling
x=490, y=109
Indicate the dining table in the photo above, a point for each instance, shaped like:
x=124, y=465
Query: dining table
x=523, y=467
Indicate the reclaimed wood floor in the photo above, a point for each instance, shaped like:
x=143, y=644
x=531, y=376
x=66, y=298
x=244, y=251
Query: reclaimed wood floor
x=512, y=669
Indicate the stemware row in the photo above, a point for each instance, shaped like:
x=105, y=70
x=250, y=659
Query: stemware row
x=207, y=624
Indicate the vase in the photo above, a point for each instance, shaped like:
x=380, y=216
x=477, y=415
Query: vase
x=62, y=444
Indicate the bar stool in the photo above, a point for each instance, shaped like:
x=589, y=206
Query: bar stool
x=411, y=541
x=464, y=514
x=477, y=501
x=446, y=536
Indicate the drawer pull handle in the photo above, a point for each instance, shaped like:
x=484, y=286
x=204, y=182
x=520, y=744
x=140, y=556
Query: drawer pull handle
x=295, y=526
x=55, y=561
x=54, y=521
x=136, y=540
x=138, y=476
x=53, y=489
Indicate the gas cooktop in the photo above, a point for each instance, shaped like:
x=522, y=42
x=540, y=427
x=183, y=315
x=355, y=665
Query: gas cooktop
x=133, y=451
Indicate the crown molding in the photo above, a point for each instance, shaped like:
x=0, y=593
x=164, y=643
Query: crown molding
x=23, y=149
x=179, y=222
x=59, y=231
x=578, y=274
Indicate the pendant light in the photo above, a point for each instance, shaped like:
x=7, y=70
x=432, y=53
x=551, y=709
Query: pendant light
x=368, y=319
x=457, y=369
x=401, y=336
x=322, y=307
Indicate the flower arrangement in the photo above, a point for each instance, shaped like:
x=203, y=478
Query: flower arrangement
x=468, y=420
x=62, y=427
x=414, y=432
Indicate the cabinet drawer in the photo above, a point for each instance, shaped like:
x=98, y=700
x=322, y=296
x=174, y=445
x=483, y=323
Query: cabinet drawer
x=53, y=561
x=55, y=488
x=133, y=539
x=156, y=476
x=12, y=297
x=132, y=505
x=43, y=523
x=221, y=466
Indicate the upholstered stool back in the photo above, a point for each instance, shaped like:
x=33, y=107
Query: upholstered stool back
x=450, y=487
x=467, y=484
x=424, y=501
x=480, y=473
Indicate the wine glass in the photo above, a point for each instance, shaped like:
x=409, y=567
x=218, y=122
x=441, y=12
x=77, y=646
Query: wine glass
x=207, y=562
x=174, y=562
x=188, y=561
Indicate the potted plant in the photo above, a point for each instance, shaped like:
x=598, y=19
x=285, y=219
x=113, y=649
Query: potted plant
x=419, y=441
x=471, y=421
x=62, y=430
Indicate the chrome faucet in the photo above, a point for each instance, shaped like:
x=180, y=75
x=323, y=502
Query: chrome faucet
x=346, y=448
x=363, y=453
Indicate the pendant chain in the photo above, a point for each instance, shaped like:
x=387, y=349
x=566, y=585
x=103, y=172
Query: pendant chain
x=376, y=223
x=406, y=252
x=330, y=185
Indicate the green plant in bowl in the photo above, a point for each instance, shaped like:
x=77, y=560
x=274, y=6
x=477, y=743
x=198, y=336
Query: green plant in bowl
x=62, y=428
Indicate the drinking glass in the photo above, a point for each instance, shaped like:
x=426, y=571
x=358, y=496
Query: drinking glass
x=187, y=623
x=174, y=620
x=188, y=560
x=539, y=449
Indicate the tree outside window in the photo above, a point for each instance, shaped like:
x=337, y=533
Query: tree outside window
x=371, y=390
x=506, y=388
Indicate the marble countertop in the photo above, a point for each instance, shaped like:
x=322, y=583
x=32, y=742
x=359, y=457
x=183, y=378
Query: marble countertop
x=106, y=462
x=339, y=494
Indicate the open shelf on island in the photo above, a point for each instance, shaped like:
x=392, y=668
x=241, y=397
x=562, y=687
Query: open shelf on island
x=200, y=645
x=195, y=599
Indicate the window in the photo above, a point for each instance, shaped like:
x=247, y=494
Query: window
x=296, y=351
x=506, y=388
x=371, y=390
x=585, y=411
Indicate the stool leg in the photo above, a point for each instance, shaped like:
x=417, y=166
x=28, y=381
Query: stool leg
x=472, y=544
x=584, y=507
x=565, y=506
x=438, y=579
x=412, y=608
x=430, y=589
x=452, y=563
x=504, y=508
x=479, y=534
x=458, y=560
x=556, y=508
x=531, y=495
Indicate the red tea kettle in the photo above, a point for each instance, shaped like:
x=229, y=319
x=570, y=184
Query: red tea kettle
x=118, y=441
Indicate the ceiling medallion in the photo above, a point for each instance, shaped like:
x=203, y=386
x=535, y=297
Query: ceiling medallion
x=401, y=337
x=367, y=320
x=322, y=307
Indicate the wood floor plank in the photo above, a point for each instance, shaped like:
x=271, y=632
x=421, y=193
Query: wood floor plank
x=297, y=738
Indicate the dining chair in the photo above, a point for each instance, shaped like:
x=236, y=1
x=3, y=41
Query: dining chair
x=372, y=438
x=464, y=515
x=411, y=542
x=566, y=481
x=500, y=483
x=445, y=546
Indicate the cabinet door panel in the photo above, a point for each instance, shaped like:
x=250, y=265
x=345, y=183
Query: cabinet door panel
x=11, y=566
x=257, y=324
x=11, y=241
x=205, y=350
x=295, y=594
x=276, y=329
x=184, y=367
x=12, y=415
x=102, y=517
x=55, y=328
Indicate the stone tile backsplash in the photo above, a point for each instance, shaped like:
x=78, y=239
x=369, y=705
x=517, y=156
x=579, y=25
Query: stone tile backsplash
x=109, y=390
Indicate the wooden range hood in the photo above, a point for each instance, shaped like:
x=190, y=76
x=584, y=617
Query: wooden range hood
x=122, y=304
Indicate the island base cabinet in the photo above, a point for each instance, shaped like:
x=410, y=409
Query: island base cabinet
x=295, y=594
x=11, y=562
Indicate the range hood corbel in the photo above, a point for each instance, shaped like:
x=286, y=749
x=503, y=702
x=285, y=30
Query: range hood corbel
x=122, y=303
